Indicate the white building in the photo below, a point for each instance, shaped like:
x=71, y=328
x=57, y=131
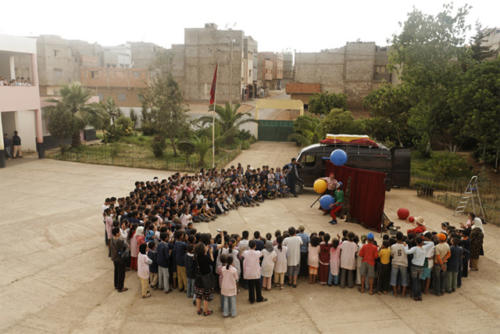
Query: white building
x=19, y=96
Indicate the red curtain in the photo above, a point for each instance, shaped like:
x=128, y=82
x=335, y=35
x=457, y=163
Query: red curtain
x=367, y=193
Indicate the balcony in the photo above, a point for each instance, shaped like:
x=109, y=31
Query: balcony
x=19, y=98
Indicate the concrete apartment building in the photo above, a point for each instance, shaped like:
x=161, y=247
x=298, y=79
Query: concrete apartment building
x=288, y=70
x=492, y=39
x=110, y=72
x=355, y=70
x=250, y=67
x=270, y=71
x=19, y=104
x=193, y=63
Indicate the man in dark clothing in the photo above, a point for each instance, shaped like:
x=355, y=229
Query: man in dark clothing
x=7, y=143
x=292, y=176
x=16, y=141
x=117, y=247
x=163, y=260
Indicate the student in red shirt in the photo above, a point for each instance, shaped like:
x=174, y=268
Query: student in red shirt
x=369, y=253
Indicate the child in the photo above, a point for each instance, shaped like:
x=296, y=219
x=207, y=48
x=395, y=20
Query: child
x=454, y=263
x=313, y=259
x=281, y=264
x=228, y=289
x=324, y=259
x=268, y=260
x=385, y=268
x=333, y=274
x=369, y=253
x=190, y=271
x=153, y=267
x=251, y=272
x=143, y=262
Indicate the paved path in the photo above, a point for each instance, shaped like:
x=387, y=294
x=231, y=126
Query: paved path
x=55, y=275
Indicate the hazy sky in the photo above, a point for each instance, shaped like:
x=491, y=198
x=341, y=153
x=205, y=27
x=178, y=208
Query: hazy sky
x=308, y=25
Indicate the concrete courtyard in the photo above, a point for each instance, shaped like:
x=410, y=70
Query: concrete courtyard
x=56, y=277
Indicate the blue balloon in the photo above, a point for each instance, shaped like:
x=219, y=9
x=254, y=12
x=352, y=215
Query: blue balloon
x=325, y=201
x=338, y=157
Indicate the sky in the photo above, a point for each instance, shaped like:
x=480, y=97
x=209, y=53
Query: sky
x=277, y=25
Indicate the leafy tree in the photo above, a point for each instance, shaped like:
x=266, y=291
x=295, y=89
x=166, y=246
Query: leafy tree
x=341, y=121
x=306, y=130
x=322, y=103
x=478, y=99
x=430, y=53
x=390, y=106
x=229, y=120
x=74, y=100
x=163, y=98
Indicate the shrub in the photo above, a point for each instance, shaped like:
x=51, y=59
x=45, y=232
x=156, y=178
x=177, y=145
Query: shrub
x=448, y=165
x=322, y=103
x=158, y=145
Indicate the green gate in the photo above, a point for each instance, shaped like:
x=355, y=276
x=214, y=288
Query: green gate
x=275, y=130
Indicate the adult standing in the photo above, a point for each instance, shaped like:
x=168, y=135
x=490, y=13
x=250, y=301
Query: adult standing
x=476, y=247
x=16, y=142
x=293, y=176
x=293, y=243
x=7, y=143
x=118, y=248
x=204, y=282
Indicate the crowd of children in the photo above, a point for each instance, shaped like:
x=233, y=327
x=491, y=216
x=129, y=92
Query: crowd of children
x=151, y=231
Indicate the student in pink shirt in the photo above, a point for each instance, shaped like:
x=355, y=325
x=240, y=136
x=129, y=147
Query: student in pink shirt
x=251, y=272
x=228, y=288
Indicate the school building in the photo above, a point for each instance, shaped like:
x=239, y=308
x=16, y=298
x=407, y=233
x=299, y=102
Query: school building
x=19, y=93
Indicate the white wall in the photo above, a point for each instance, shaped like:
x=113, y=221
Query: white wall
x=25, y=126
x=17, y=44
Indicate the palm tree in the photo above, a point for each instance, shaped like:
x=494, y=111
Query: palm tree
x=306, y=130
x=201, y=147
x=229, y=120
x=74, y=99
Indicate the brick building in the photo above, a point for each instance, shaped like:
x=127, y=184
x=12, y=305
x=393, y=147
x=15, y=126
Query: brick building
x=355, y=70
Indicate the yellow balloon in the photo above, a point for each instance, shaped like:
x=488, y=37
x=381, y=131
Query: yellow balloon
x=320, y=186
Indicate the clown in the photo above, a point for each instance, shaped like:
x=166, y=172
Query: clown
x=339, y=201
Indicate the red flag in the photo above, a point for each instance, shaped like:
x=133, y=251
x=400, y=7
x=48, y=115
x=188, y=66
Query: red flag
x=214, y=84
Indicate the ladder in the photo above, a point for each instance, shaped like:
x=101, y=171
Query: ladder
x=471, y=194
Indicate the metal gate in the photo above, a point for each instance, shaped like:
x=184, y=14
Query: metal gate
x=275, y=130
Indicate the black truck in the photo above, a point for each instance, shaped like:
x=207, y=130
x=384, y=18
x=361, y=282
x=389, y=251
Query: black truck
x=395, y=163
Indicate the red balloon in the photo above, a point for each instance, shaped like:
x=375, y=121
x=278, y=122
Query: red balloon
x=411, y=219
x=403, y=213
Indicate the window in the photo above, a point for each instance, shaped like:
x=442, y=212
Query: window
x=56, y=53
x=58, y=72
x=309, y=160
x=93, y=74
x=122, y=97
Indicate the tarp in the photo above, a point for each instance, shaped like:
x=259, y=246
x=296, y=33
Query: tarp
x=366, y=193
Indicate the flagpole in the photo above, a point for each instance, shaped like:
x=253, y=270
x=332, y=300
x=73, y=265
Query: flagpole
x=213, y=121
